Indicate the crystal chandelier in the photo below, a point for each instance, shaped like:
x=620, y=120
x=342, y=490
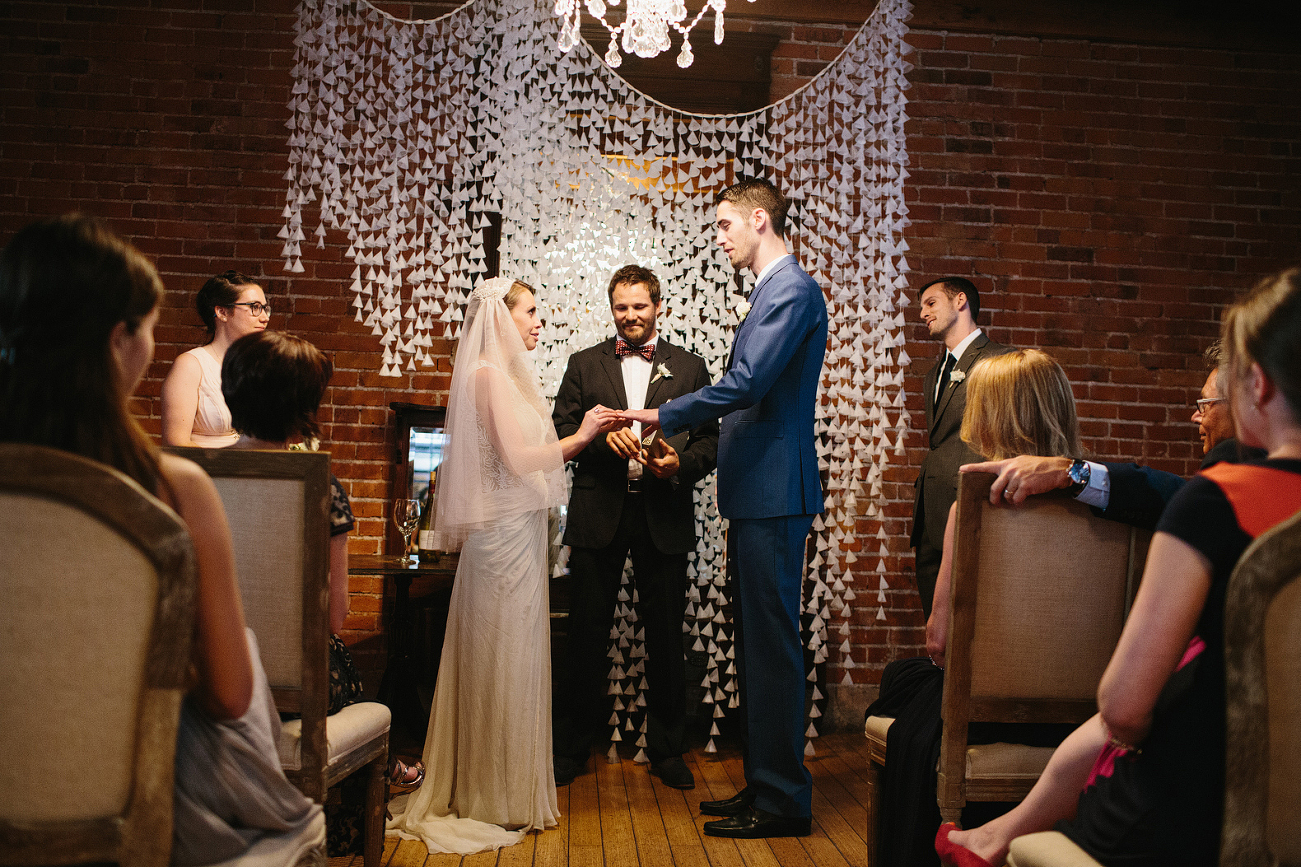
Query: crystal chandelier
x=645, y=27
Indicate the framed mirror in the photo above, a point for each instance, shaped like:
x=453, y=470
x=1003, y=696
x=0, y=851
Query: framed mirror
x=419, y=441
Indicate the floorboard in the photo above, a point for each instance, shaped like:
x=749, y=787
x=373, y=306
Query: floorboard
x=618, y=815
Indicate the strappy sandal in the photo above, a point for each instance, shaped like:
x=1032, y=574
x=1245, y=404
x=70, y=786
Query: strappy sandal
x=400, y=775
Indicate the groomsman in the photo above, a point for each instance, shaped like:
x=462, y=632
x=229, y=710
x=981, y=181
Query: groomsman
x=769, y=490
x=621, y=506
x=949, y=309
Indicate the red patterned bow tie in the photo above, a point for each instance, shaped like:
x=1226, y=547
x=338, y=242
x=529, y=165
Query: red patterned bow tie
x=623, y=347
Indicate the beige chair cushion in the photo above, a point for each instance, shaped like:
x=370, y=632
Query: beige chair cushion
x=1007, y=761
x=345, y=731
x=1048, y=849
x=65, y=713
x=305, y=846
x=875, y=728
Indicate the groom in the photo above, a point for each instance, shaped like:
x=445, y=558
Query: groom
x=768, y=488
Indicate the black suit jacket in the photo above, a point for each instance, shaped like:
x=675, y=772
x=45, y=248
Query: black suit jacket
x=937, y=484
x=595, y=376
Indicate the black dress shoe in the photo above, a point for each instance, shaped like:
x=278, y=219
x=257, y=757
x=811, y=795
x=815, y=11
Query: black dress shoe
x=674, y=772
x=566, y=769
x=732, y=806
x=754, y=824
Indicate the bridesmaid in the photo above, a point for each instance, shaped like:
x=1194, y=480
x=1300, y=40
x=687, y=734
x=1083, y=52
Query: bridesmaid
x=194, y=412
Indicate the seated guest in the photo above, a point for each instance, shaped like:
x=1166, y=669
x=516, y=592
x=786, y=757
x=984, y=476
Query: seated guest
x=273, y=383
x=1124, y=492
x=1017, y=403
x=1214, y=420
x=194, y=412
x=1142, y=782
x=77, y=313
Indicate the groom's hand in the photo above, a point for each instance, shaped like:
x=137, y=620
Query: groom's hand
x=660, y=458
x=649, y=419
x=623, y=442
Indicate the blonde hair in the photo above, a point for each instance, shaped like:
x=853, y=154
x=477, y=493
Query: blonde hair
x=1265, y=328
x=518, y=288
x=1020, y=403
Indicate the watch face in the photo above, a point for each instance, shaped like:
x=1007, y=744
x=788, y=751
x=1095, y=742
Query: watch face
x=1079, y=473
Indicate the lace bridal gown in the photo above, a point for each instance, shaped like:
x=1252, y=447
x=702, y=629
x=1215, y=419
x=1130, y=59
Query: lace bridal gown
x=489, y=776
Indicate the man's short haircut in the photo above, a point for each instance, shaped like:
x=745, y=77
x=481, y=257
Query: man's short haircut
x=1215, y=361
x=952, y=286
x=757, y=193
x=631, y=274
x=273, y=383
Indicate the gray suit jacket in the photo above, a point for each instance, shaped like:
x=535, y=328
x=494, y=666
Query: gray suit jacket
x=937, y=484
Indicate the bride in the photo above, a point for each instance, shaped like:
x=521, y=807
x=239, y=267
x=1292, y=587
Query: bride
x=488, y=750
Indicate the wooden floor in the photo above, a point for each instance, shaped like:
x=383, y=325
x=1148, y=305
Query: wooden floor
x=621, y=816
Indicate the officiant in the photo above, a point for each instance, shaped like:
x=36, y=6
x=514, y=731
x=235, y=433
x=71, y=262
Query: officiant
x=629, y=499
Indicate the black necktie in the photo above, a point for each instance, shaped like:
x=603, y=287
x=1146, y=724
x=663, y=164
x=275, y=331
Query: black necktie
x=949, y=362
x=623, y=347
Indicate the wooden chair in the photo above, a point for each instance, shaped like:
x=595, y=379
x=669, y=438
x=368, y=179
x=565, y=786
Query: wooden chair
x=1262, y=623
x=1039, y=594
x=98, y=581
x=277, y=503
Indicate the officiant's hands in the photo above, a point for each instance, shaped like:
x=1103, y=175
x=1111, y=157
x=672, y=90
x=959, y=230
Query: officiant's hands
x=660, y=458
x=623, y=443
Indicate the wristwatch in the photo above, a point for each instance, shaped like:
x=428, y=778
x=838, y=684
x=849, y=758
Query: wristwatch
x=1079, y=476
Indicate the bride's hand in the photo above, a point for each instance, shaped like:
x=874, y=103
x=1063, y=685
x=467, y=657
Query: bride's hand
x=598, y=420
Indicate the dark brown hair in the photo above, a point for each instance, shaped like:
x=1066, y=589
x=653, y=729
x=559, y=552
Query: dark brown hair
x=222, y=290
x=755, y=193
x=633, y=274
x=65, y=284
x=951, y=286
x=273, y=384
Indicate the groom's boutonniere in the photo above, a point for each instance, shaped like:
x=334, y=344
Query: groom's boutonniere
x=956, y=376
x=742, y=310
x=661, y=372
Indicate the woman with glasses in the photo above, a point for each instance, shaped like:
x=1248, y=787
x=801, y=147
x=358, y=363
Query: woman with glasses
x=194, y=412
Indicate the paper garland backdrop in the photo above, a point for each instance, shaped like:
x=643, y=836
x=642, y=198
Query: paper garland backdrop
x=405, y=136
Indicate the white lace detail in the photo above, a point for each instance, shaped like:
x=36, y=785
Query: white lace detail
x=493, y=289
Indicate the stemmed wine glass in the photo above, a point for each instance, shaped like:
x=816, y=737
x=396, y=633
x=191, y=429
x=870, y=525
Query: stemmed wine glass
x=406, y=515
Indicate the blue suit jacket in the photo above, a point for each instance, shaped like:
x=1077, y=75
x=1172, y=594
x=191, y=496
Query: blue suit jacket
x=767, y=462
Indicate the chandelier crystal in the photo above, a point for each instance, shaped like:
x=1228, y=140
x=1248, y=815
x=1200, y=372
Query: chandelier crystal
x=645, y=27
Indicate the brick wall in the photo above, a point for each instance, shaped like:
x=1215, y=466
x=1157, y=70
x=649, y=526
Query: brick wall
x=1108, y=198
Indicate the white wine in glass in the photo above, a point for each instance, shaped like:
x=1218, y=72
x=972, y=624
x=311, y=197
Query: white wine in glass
x=406, y=515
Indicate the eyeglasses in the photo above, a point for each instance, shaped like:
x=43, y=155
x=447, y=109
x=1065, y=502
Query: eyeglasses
x=257, y=308
x=1204, y=403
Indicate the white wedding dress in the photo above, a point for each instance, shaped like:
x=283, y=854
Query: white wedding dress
x=489, y=773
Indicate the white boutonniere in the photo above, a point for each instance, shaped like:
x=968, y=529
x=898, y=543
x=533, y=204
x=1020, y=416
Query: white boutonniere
x=661, y=372
x=956, y=376
x=742, y=310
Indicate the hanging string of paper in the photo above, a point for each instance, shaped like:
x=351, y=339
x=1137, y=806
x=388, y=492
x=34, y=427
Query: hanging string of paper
x=409, y=139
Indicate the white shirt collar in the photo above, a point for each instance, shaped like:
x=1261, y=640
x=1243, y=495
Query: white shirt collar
x=962, y=347
x=767, y=269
